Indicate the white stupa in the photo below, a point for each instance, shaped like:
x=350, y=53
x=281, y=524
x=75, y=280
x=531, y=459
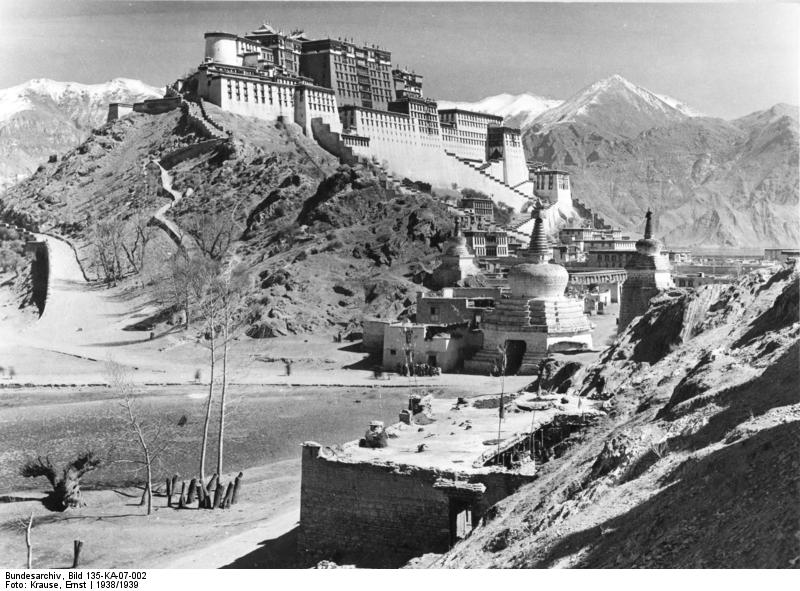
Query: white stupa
x=538, y=318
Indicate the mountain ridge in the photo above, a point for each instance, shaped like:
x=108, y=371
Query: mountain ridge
x=43, y=117
x=711, y=182
x=517, y=109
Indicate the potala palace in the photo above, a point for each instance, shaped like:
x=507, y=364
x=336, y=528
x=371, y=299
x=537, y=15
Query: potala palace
x=352, y=101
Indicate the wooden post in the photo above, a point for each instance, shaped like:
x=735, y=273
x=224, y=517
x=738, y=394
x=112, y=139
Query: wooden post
x=174, y=488
x=192, y=490
x=217, y=495
x=201, y=496
x=169, y=492
x=236, y=485
x=77, y=546
x=226, y=502
x=28, y=541
x=211, y=484
x=183, y=490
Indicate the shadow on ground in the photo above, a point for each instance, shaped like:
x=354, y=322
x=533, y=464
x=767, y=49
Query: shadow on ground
x=280, y=552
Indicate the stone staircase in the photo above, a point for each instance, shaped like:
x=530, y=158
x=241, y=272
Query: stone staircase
x=331, y=141
x=483, y=362
x=481, y=169
x=196, y=114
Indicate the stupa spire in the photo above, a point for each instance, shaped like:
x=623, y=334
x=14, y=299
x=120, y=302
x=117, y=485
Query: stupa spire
x=537, y=249
x=648, y=225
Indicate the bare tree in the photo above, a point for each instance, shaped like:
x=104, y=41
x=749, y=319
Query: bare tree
x=66, y=482
x=183, y=283
x=230, y=287
x=213, y=234
x=210, y=309
x=106, y=237
x=502, y=359
x=146, y=436
x=136, y=236
x=25, y=525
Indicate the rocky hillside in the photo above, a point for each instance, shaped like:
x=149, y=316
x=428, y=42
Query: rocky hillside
x=696, y=464
x=43, y=117
x=710, y=182
x=322, y=244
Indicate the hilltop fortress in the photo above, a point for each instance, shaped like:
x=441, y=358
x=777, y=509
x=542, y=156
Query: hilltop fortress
x=352, y=101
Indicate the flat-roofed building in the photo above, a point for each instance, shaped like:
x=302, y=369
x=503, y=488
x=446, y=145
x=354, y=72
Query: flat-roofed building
x=479, y=207
x=454, y=305
x=491, y=241
x=700, y=279
x=439, y=345
x=504, y=144
x=609, y=244
x=360, y=76
x=569, y=235
x=422, y=109
x=781, y=254
x=609, y=257
x=406, y=84
x=464, y=132
x=680, y=256
x=552, y=185
x=283, y=50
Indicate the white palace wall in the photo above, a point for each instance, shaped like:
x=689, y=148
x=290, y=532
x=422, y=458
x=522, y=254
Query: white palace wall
x=395, y=139
x=313, y=102
x=265, y=100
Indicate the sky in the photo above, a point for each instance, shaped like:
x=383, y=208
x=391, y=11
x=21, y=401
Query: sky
x=725, y=60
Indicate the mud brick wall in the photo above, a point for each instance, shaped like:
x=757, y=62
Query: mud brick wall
x=351, y=511
x=379, y=515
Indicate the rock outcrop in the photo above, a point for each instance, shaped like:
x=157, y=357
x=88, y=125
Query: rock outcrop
x=696, y=464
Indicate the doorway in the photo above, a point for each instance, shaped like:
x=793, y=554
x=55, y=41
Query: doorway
x=515, y=350
x=460, y=520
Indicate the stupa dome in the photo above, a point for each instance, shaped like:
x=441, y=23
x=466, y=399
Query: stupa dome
x=457, y=247
x=648, y=246
x=538, y=280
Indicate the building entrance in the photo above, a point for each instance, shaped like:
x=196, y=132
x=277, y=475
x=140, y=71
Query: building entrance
x=515, y=350
x=460, y=520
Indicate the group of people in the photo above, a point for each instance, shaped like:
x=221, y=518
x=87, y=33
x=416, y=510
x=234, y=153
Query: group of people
x=418, y=369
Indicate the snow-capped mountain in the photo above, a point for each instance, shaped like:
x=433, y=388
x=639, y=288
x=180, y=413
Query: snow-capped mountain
x=680, y=106
x=709, y=181
x=518, y=110
x=616, y=107
x=43, y=117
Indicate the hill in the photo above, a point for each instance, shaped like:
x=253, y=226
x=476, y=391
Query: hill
x=44, y=117
x=696, y=464
x=322, y=244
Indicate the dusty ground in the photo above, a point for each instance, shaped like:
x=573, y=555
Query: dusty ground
x=58, y=403
x=117, y=533
x=83, y=327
